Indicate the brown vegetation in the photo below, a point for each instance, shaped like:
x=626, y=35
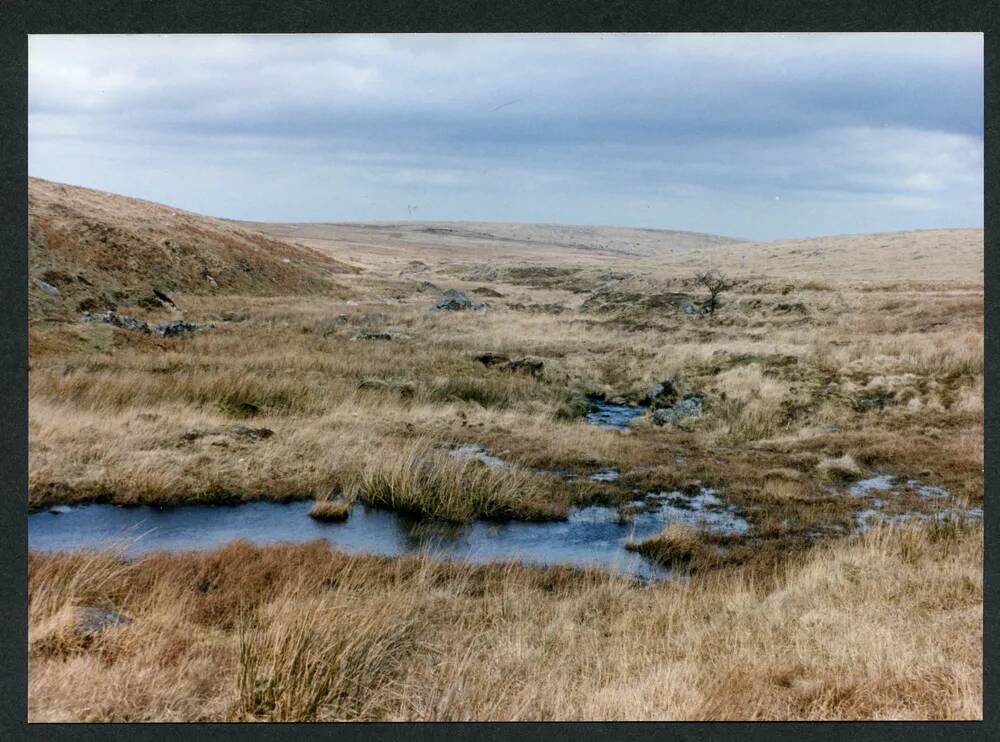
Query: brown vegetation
x=886, y=627
x=808, y=385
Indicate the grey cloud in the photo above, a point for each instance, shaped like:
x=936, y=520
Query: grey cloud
x=600, y=124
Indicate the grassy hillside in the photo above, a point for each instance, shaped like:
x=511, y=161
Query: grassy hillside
x=830, y=362
x=102, y=251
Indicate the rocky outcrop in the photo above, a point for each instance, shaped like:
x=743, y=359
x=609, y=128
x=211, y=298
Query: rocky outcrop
x=127, y=322
x=456, y=301
x=124, y=321
x=692, y=405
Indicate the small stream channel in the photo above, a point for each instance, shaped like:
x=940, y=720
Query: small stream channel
x=617, y=416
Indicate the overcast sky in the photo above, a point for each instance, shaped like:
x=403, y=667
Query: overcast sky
x=760, y=136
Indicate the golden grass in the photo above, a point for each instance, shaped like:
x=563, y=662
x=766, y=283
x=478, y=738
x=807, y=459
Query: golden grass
x=426, y=481
x=885, y=627
x=839, y=468
x=330, y=510
x=790, y=621
x=678, y=542
x=329, y=657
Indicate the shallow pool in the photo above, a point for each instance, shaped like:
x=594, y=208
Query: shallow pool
x=590, y=536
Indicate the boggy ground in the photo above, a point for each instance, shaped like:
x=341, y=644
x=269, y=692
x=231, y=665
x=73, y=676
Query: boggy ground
x=808, y=385
x=815, y=374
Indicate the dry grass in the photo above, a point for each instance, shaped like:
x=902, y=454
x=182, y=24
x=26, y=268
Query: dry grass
x=877, y=367
x=840, y=468
x=886, y=627
x=330, y=510
x=326, y=658
x=677, y=543
x=426, y=481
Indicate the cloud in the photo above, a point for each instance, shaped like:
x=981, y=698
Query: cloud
x=571, y=128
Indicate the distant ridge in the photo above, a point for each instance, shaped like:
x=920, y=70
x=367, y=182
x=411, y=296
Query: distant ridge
x=624, y=241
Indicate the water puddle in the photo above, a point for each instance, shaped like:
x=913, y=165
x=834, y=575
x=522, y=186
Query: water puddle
x=868, y=517
x=592, y=536
x=608, y=415
x=890, y=511
x=877, y=483
x=704, y=510
x=605, y=475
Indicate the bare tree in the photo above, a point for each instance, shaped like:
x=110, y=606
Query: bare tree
x=715, y=282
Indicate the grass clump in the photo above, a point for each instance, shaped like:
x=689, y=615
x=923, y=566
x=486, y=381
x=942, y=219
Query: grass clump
x=678, y=542
x=430, y=483
x=843, y=468
x=323, y=659
x=332, y=511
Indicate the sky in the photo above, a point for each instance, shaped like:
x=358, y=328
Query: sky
x=760, y=136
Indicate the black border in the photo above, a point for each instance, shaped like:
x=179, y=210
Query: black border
x=19, y=17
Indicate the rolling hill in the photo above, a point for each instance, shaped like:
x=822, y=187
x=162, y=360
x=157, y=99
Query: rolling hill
x=89, y=250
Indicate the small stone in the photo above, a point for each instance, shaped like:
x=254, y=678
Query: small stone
x=373, y=336
x=48, y=288
x=92, y=621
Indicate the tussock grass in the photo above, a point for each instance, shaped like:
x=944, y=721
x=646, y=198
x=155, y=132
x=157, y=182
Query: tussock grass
x=426, y=481
x=330, y=510
x=887, y=626
x=321, y=659
x=841, y=468
x=678, y=542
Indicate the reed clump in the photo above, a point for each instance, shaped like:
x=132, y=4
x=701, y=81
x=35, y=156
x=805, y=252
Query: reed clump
x=424, y=480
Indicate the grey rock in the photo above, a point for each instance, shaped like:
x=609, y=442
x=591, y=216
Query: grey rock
x=212, y=282
x=692, y=309
x=125, y=321
x=176, y=327
x=692, y=405
x=93, y=621
x=48, y=288
x=455, y=300
x=373, y=336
